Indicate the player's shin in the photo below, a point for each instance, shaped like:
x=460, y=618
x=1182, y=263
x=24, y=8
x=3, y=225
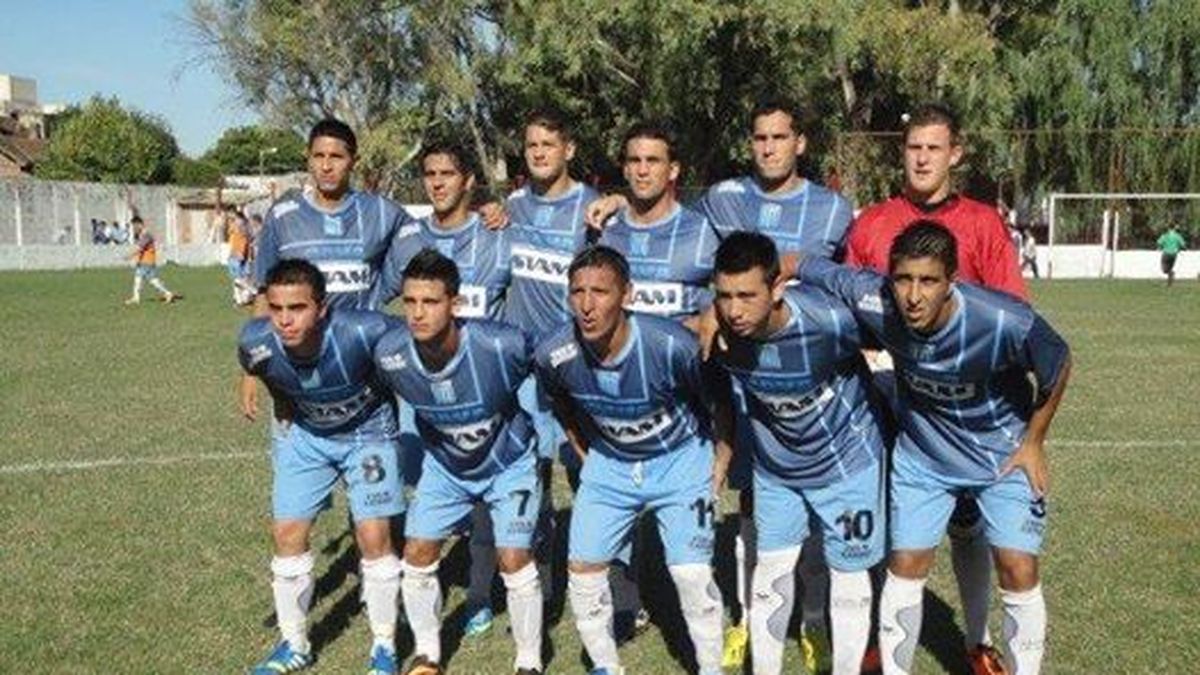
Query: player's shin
x=850, y=619
x=774, y=593
x=591, y=600
x=972, y=559
x=423, y=608
x=700, y=600
x=900, y=622
x=1024, y=629
x=744, y=551
x=293, y=589
x=814, y=575
x=381, y=586
x=525, y=612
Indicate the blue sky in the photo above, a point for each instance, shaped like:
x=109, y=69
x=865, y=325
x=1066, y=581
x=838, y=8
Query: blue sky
x=137, y=51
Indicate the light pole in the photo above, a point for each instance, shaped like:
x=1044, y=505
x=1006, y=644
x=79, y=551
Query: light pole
x=263, y=153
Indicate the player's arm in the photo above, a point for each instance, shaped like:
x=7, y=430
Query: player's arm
x=563, y=408
x=721, y=408
x=599, y=210
x=1049, y=362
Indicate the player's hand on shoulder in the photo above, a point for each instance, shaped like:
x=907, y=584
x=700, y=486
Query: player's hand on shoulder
x=494, y=215
x=599, y=210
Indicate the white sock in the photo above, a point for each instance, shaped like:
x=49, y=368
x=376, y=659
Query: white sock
x=849, y=619
x=972, y=559
x=814, y=575
x=900, y=623
x=293, y=590
x=771, y=608
x=591, y=600
x=423, y=607
x=525, y=615
x=155, y=282
x=381, y=586
x=1024, y=629
x=700, y=600
x=745, y=548
x=137, y=287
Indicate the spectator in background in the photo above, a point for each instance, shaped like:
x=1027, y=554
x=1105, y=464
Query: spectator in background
x=97, y=231
x=146, y=260
x=1170, y=243
x=1029, y=252
x=237, y=233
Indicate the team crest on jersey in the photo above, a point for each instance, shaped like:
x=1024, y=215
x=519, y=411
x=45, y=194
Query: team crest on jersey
x=312, y=381
x=563, y=354
x=639, y=244
x=443, y=392
x=283, y=208
x=922, y=351
x=332, y=226
x=258, y=354
x=445, y=246
x=768, y=357
x=634, y=431
x=393, y=362
x=543, y=216
x=769, y=215
x=871, y=302
x=609, y=382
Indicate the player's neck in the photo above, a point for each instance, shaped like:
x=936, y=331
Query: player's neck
x=437, y=352
x=607, y=348
x=780, y=316
x=554, y=188
x=931, y=200
x=944, y=316
x=310, y=348
x=779, y=186
x=452, y=219
x=644, y=212
x=330, y=200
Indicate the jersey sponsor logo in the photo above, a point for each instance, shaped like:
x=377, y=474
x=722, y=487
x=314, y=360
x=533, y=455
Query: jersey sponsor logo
x=537, y=265
x=346, y=277
x=328, y=414
x=443, y=392
x=626, y=432
x=791, y=407
x=258, y=354
x=393, y=362
x=472, y=302
x=312, y=381
x=563, y=354
x=941, y=391
x=657, y=298
x=471, y=437
x=283, y=208
x=871, y=302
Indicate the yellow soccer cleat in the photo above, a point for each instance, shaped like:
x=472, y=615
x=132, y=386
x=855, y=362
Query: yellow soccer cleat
x=814, y=648
x=736, y=639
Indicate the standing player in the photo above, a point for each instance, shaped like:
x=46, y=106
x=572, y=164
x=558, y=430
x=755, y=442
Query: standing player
x=1170, y=243
x=818, y=447
x=318, y=361
x=145, y=259
x=461, y=378
x=932, y=148
x=979, y=378
x=630, y=392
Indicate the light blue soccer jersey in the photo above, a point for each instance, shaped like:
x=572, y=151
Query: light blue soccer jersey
x=467, y=413
x=965, y=393
x=347, y=244
x=336, y=395
x=646, y=402
x=546, y=235
x=811, y=218
x=806, y=386
x=670, y=261
x=483, y=257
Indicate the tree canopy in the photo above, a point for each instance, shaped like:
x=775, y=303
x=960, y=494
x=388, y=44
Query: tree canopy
x=247, y=150
x=105, y=142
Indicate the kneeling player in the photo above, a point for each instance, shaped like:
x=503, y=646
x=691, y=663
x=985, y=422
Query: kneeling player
x=979, y=377
x=629, y=391
x=317, y=363
x=818, y=450
x=461, y=379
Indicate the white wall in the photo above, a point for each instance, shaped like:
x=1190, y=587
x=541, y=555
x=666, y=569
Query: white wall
x=52, y=257
x=1079, y=261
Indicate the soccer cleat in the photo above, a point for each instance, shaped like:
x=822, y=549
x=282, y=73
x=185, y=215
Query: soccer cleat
x=383, y=661
x=872, y=660
x=814, y=648
x=606, y=671
x=985, y=660
x=421, y=665
x=479, y=623
x=734, y=654
x=283, y=659
x=169, y=298
x=641, y=621
x=132, y=301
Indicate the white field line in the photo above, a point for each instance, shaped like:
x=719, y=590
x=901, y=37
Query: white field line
x=117, y=462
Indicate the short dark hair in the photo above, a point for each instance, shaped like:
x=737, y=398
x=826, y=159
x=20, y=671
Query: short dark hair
x=770, y=106
x=429, y=265
x=658, y=131
x=298, y=272
x=930, y=114
x=551, y=119
x=744, y=251
x=925, y=239
x=334, y=128
x=601, y=256
x=463, y=159
x=136, y=220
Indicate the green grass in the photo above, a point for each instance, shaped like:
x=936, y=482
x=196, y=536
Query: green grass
x=162, y=567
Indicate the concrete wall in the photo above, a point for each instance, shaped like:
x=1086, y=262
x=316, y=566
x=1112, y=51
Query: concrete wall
x=51, y=257
x=1078, y=261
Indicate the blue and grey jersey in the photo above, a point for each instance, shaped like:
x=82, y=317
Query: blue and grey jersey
x=811, y=218
x=965, y=393
x=644, y=402
x=806, y=386
x=546, y=235
x=335, y=395
x=467, y=413
x=670, y=261
x=347, y=244
x=482, y=255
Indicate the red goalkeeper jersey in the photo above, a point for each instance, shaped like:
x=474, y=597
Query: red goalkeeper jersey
x=986, y=255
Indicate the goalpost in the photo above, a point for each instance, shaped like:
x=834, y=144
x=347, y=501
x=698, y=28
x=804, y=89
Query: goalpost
x=1083, y=256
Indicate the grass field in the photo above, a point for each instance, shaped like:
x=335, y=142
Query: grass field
x=134, y=500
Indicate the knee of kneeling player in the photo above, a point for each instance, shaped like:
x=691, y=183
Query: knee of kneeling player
x=422, y=552
x=911, y=564
x=1017, y=570
x=511, y=560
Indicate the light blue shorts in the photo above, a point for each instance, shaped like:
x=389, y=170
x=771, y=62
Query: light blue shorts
x=676, y=487
x=146, y=271
x=442, y=502
x=306, y=468
x=922, y=502
x=850, y=513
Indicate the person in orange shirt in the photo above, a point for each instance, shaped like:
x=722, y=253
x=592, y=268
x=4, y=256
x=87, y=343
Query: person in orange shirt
x=238, y=235
x=145, y=258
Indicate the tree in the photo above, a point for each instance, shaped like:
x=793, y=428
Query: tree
x=241, y=149
x=195, y=172
x=107, y=143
